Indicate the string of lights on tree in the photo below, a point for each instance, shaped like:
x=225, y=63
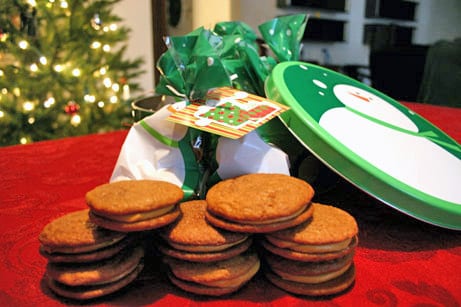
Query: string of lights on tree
x=62, y=69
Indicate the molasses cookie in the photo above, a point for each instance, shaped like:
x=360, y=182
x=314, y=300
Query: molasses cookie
x=92, y=291
x=96, y=272
x=331, y=233
x=192, y=238
x=213, y=278
x=134, y=205
x=95, y=279
x=330, y=287
x=259, y=203
x=306, y=271
x=74, y=238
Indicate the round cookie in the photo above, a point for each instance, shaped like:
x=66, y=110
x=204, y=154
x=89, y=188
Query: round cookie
x=201, y=289
x=330, y=287
x=264, y=228
x=99, y=272
x=218, y=277
x=330, y=230
x=91, y=292
x=193, y=233
x=259, y=202
x=134, y=205
x=301, y=256
x=99, y=254
x=308, y=272
x=74, y=233
x=206, y=256
x=158, y=222
x=192, y=238
x=132, y=196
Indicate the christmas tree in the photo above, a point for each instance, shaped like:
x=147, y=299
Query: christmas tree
x=62, y=69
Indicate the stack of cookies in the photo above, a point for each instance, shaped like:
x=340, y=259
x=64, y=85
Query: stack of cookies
x=207, y=245
x=134, y=205
x=308, y=247
x=86, y=261
x=316, y=257
x=203, y=259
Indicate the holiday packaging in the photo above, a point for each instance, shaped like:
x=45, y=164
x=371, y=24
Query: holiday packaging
x=363, y=135
x=222, y=125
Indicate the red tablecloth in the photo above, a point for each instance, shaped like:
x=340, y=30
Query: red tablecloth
x=400, y=261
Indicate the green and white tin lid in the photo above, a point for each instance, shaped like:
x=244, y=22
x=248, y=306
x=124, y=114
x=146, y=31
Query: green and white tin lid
x=372, y=141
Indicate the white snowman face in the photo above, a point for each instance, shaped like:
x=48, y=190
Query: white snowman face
x=371, y=105
x=376, y=131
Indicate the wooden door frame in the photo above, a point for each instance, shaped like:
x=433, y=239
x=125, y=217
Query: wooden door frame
x=159, y=31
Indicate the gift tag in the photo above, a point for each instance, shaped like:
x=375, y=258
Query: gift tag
x=228, y=112
x=372, y=141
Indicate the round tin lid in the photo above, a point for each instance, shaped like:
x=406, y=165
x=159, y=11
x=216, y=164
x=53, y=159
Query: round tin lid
x=372, y=141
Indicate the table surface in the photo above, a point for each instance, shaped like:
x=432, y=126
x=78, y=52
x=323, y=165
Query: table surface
x=399, y=260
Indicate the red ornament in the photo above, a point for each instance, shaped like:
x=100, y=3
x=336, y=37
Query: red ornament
x=122, y=80
x=71, y=108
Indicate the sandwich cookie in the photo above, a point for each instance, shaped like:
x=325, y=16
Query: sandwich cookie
x=330, y=234
x=315, y=257
x=330, y=287
x=134, y=205
x=74, y=238
x=91, y=292
x=259, y=203
x=95, y=279
x=308, y=272
x=213, y=278
x=97, y=272
x=192, y=238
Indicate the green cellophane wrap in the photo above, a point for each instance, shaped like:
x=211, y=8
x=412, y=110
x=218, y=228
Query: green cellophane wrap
x=191, y=66
x=229, y=55
x=284, y=34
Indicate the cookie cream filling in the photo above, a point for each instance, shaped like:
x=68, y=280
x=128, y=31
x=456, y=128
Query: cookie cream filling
x=119, y=276
x=96, y=272
x=140, y=216
x=205, y=248
x=82, y=248
x=90, y=292
x=310, y=248
x=313, y=279
x=275, y=220
x=234, y=282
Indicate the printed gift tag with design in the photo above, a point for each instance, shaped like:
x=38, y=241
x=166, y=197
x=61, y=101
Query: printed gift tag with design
x=228, y=112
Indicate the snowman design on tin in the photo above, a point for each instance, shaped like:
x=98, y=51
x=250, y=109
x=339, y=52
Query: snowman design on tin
x=390, y=138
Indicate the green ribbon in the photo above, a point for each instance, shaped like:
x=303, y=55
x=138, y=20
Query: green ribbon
x=159, y=137
x=192, y=173
x=191, y=184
